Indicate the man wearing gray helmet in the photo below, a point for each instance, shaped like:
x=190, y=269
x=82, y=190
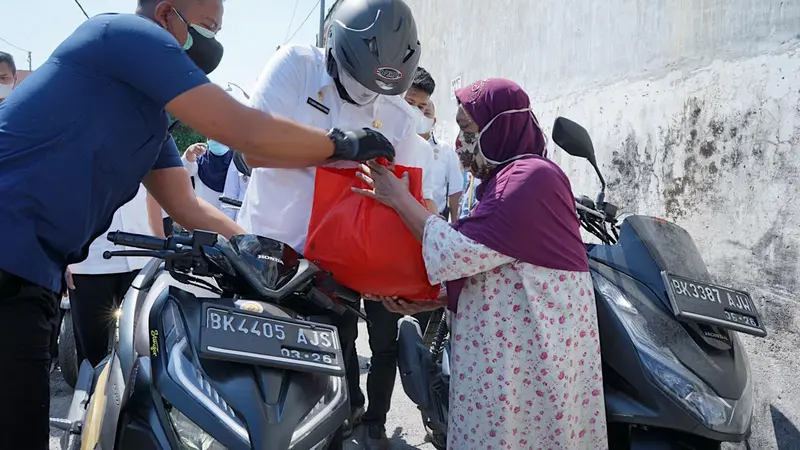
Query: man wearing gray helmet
x=357, y=80
x=79, y=136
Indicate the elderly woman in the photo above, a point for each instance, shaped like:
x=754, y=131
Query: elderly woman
x=526, y=369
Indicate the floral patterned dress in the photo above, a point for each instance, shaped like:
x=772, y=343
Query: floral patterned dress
x=526, y=370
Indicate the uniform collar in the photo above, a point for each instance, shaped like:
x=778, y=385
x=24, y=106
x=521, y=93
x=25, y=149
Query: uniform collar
x=325, y=79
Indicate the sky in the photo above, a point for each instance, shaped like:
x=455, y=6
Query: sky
x=251, y=30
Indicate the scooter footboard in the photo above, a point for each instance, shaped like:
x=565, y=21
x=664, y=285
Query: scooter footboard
x=414, y=362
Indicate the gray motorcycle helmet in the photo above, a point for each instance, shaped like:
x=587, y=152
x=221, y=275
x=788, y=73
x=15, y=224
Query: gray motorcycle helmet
x=376, y=42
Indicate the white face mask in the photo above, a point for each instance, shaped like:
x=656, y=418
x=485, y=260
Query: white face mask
x=423, y=124
x=471, y=154
x=5, y=90
x=361, y=95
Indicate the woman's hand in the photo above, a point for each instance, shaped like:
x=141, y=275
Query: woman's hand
x=384, y=186
x=407, y=308
x=376, y=298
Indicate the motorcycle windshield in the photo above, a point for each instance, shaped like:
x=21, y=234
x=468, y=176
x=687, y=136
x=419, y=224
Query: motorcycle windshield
x=273, y=263
x=670, y=246
x=647, y=246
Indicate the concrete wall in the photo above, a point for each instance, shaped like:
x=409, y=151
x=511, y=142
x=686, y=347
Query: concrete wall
x=694, y=108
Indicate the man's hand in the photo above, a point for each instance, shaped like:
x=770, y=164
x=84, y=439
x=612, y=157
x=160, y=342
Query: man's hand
x=70, y=283
x=376, y=298
x=431, y=206
x=272, y=140
x=173, y=191
x=195, y=151
x=360, y=145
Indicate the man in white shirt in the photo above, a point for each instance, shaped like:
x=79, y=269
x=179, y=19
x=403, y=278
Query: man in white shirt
x=235, y=184
x=372, y=48
x=97, y=285
x=447, y=174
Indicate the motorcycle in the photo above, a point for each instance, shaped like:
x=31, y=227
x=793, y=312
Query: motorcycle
x=675, y=373
x=219, y=344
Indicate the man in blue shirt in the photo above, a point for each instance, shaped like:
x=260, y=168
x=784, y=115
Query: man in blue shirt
x=78, y=137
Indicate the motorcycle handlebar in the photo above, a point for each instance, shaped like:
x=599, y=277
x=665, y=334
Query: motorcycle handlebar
x=148, y=242
x=158, y=244
x=230, y=201
x=346, y=294
x=591, y=211
x=137, y=240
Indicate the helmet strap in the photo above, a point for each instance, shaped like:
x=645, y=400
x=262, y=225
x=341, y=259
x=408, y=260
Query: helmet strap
x=330, y=64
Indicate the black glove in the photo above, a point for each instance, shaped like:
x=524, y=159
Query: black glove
x=360, y=145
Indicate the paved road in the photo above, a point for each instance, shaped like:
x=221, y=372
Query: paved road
x=777, y=411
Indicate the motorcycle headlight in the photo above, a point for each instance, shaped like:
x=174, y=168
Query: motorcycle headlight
x=334, y=396
x=182, y=369
x=191, y=436
x=654, y=333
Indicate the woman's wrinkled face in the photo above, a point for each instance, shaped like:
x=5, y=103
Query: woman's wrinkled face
x=465, y=122
x=468, y=146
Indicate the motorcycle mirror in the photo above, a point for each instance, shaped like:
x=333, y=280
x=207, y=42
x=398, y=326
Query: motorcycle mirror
x=575, y=140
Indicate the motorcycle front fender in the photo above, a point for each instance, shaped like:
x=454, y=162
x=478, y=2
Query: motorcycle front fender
x=414, y=362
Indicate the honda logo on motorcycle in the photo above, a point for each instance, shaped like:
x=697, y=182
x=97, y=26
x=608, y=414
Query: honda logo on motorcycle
x=271, y=258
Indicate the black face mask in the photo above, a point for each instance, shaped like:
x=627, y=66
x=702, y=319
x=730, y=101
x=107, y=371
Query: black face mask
x=206, y=52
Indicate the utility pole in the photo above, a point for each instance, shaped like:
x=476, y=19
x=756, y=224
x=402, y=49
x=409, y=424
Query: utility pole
x=30, y=62
x=320, y=38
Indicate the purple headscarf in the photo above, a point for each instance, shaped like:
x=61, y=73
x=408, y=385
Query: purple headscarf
x=525, y=209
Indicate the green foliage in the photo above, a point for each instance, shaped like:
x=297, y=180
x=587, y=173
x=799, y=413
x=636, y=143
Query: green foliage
x=185, y=136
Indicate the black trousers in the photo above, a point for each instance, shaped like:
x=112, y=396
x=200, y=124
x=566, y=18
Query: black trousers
x=92, y=304
x=26, y=314
x=348, y=332
x=383, y=369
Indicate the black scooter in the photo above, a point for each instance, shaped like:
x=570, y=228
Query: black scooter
x=675, y=373
x=219, y=344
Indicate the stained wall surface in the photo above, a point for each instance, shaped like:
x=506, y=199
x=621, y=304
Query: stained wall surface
x=694, y=109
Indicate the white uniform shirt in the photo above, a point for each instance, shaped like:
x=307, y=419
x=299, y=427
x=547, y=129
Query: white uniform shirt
x=447, y=175
x=200, y=189
x=131, y=218
x=295, y=84
x=235, y=188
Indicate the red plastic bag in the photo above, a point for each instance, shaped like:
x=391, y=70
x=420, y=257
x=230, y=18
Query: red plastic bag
x=363, y=243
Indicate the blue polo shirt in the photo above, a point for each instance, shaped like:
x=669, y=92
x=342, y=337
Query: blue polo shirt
x=80, y=134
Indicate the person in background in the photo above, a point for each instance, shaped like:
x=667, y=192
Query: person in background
x=447, y=172
x=97, y=286
x=469, y=199
x=526, y=369
x=8, y=75
x=62, y=179
x=348, y=82
x=383, y=323
x=447, y=169
x=236, y=183
x=208, y=164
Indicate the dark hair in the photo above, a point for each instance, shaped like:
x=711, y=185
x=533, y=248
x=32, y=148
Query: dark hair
x=8, y=59
x=423, y=81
